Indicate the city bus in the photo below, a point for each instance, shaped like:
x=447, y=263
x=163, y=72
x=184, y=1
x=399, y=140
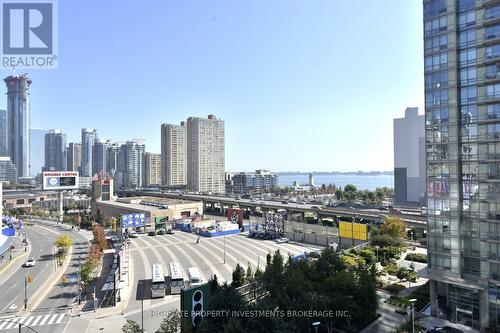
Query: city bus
x=195, y=276
x=157, y=282
x=176, y=278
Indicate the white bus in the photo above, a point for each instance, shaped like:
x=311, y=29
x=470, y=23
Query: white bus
x=157, y=282
x=176, y=278
x=195, y=276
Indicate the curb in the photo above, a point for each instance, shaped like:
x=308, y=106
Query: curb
x=23, y=254
x=51, y=281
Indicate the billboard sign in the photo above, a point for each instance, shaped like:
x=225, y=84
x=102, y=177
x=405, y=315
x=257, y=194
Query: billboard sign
x=133, y=220
x=235, y=215
x=60, y=180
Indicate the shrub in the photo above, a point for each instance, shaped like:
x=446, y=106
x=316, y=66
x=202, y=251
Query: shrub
x=418, y=257
x=395, y=288
x=391, y=268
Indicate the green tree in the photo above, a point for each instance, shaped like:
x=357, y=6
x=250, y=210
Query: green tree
x=171, y=324
x=238, y=276
x=249, y=277
x=394, y=227
x=63, y=242
x=350, y=188
x=86, y=271
x=131, y=327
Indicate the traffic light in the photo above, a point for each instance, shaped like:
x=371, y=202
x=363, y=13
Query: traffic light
x=30, y=279
x=197, y=307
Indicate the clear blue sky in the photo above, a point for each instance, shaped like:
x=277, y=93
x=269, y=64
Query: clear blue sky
x=302, y=85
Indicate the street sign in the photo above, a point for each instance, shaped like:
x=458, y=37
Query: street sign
x=133, y=220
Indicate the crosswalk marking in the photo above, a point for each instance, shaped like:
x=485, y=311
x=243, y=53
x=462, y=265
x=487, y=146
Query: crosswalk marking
x=52, y=319
x=12, y=322
x=44, y=320
x=2, y=324
x=37, y=319
x=32, y=321
x=28, y=321
x=61, y=316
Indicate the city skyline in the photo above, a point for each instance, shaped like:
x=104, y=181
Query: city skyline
x=259, y=111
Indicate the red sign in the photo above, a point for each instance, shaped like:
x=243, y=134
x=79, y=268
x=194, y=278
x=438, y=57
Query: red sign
x=235, y=215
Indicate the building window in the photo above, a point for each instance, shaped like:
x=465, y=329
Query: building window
x=492, y=12
x=437, y=44
x=435, y=25
x=437, y=61
x=468, y=94
x=492, y=71
x=437, y=116
x=434, y=7
x=437, y=97
x=438, y=79
x=467, y=57
x=492, y=52
x=466, y=5
x=19, y=201
x=492, y=32
x=493, y=131
x=468, y=76
x=493, y=111
x=493, y=90
x=467, y=38
x=467, y=19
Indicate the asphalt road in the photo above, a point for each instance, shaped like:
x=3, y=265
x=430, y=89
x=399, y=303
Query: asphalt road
x=53, y=311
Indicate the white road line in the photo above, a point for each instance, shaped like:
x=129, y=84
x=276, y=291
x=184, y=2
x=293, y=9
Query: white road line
x=12, y=322
x=27, y=323
x=52, y=319
x=174, y=258
x=8, y=304
x=44, y=319
x=22, y=320
x=37, y=319
x=59, y=320
x=3, y=323
x=212, y=244
x=201, y=256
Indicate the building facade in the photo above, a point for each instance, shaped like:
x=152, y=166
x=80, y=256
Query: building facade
x=205, y=155
x=462, y=110
x=18, y=122
x=409, y=158
x=37, y=151
x=152, y=169
x=134, y=161
x=261, y=181
x=174, y=154
x=100, y=156
x=74, y=156
x=3, y=133
x=89, y=136
x=55, y=151
x=8, y=171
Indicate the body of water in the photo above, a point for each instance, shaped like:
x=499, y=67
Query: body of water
x=360, y=181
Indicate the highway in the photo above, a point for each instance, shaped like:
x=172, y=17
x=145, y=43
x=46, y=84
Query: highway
x=410, y=216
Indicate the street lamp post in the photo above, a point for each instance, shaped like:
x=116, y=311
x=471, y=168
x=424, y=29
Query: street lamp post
x=224, y=250
x=79, y=280
x=142, y=307
x=376, y=248
x=412, y=301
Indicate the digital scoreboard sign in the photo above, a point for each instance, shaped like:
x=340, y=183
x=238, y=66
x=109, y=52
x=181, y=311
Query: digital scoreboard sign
x=60, y=180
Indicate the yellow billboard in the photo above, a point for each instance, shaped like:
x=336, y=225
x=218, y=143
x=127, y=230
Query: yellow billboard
x=353, y=230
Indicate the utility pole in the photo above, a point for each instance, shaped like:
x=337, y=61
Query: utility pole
x=79, y=280
x=224, y=249
x=25, y=292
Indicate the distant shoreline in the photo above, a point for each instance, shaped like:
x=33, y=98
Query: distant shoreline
x=348, y=173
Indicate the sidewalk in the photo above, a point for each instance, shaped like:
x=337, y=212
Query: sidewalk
x=17, y=253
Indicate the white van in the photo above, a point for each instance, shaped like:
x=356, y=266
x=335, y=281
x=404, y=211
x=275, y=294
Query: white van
x=195, y=276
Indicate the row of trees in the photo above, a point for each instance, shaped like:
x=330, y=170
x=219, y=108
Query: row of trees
x=326, y=284
x=99, y=244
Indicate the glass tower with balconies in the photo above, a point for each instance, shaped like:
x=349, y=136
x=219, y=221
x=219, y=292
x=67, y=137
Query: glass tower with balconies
x=462, y=108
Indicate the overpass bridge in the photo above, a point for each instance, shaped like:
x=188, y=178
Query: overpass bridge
x=212, y=201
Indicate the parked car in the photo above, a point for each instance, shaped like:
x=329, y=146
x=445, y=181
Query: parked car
x=133, y=234
x=313, y=254
x=152, y=233
x=284, y=202
x=160, y=232
x=170, y=232
x=30, y=262
x=268, y=236
x=251, y=234
x=281, y=240
x=401, y=311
